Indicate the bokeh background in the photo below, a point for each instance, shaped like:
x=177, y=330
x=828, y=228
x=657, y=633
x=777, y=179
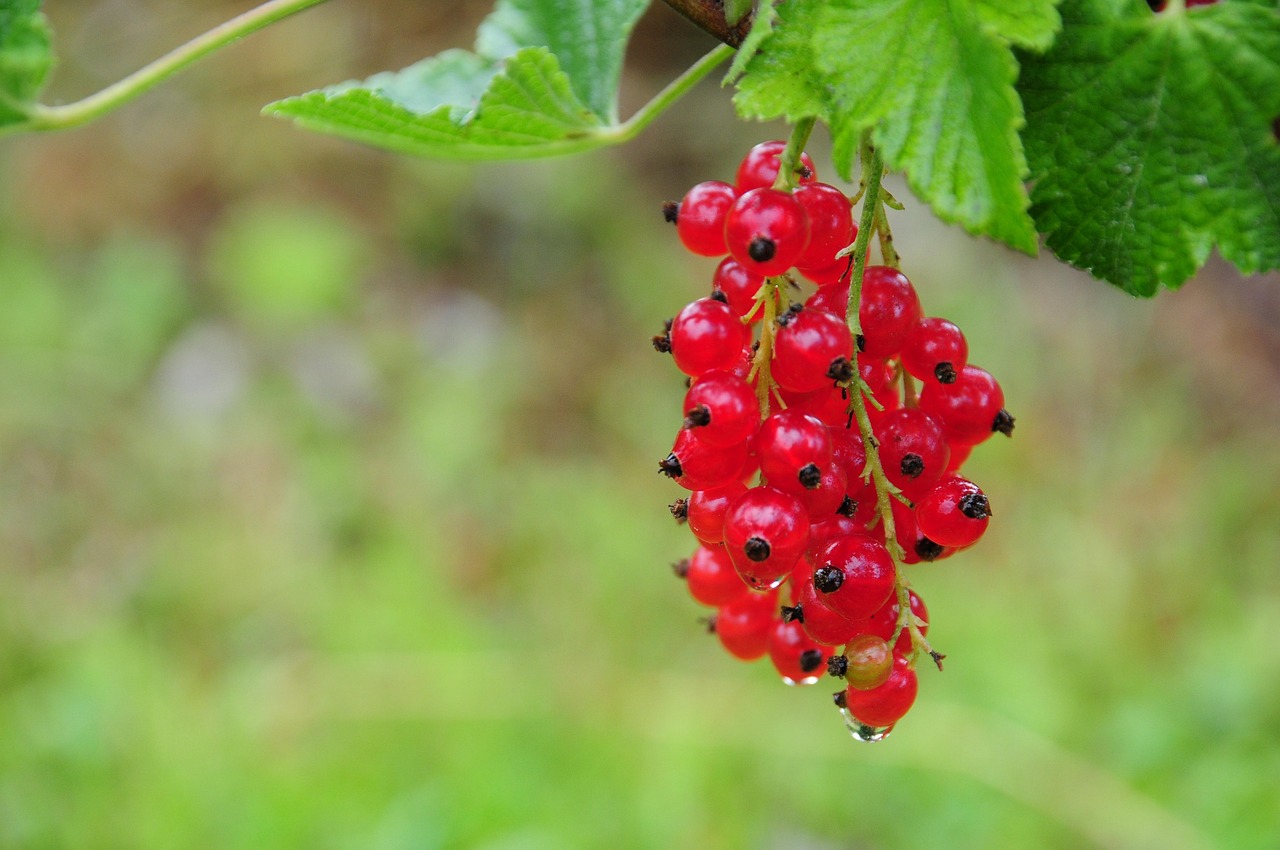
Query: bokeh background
x=328, y=514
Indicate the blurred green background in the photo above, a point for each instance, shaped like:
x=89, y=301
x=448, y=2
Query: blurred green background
x=328, y=514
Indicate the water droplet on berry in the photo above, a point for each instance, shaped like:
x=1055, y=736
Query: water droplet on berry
x=861, y=731
x=807, y=680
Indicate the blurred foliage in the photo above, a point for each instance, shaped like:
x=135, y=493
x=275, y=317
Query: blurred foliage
x=328, y=516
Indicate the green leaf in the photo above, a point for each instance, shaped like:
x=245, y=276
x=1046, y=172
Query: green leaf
x=26, y=57
x=736, y=10
x=543, y=80
x=1150, y=139
x=761, y=29
x=937, y=86
x=780, y=78
x=1026, y=23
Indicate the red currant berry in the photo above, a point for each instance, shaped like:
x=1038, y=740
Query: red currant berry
x=831, y=274
x=696, y=466
x=886, y=704
x=743, y=625
x=829, y=404
x=854, y=576
x=706, y=335
x=885, y=622
x=831, y=226
x=766, y=231
x=868, y=662
x=739, y=287
x=913, y=449
x=953, y=513
x=889, y=310
x=812, y=350
x=823, y=501
x=721, y=409
x=959, y=454
x=935, y=351
x=759, y=168
x=765, y=531
x=700, y=219
x=711, y=577
x=970, y=409
x=820, y=622
x=706, y=508
x=793, y=448
x=796, y=656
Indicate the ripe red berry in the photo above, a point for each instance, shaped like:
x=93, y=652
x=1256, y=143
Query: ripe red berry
x=700, y=220
x=793, y=448
x=706, y=335
x=954, y=513
x=696, y=466
x=822, y=502
x=887, y=703
x=884, y=622
x=935, y=351
x=890, y=309
x=913, y=449
x=759, y=168
x=706, y=509
x=915, y=546
x=743, y=625
x=811, y=350
x=721, y=409
x=711, y=577
x=797, y=657
x=854, y=575
x=971, y=408
x=831, y=226
x=739, y=287
x=766, y=231
x=765, y=532
x=820, y=622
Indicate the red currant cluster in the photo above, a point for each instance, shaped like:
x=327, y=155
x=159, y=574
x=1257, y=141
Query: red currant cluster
x=774, y=445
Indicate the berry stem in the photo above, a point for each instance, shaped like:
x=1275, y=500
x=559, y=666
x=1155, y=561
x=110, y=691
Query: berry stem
x=908, y=387
x=760, y=365
x=786, y=179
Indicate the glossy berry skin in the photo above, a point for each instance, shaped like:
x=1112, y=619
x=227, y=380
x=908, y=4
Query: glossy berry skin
x=765, y=532
x=831, y=274
x=854, y=575
x=935, y=351
x=798, y=658
x=759, y=168
x=739, y=287
x=696, y=466
x=831, y=225
x=915, y=546
x=827, y=404
x=821, y=502
x=711, y=577
x=869, y=662
x=913, y=449
x=883, y=623
x=706, y=509
x=743, y=625
x=889, y=310
x=954, y=513
x=766, y=231
x=820, y=622
x=700, y=222
x=886, y=704
x=809, y=350
x=721, y=409
x=822, y=533
x=788, y=442
x=968, y=407
x=706, y=335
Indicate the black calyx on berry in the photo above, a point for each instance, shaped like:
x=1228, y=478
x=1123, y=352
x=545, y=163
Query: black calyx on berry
x=698, y=417
x=670, y=466
x=928, y=550
x=1003, y=423
x=756, y=549
x=762, y=249
x=975, y=506
x=848, y=507
x=789, y=314
x=810, y=660
x=945, y=372
x=841, y=370
x=839, y=700
x=828, y=579
x=861, y=342
x=718, y=295
x=792, y=614
x=680, y=510
x=810, y=476
x=837, y=665
x=710, y=623
x=662, y=341
x=681, y=568
x=912, y=465
x=671, y=211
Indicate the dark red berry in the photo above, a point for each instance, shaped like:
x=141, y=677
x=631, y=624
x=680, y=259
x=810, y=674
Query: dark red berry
x=766, y=231
x=831, y=226
x=721, y=409
x=889, y=310
x=867, y=577
x=820, y=622
x=935, y=351
x=707, y=335
x=700, y=220
x=712, y=578
x=913, y=449
x=798, y=658
x=759, y=168
x=739, y=287
x=887, y=703
x=884, y=622
x=743, y=625
x=954, y=513
x=696, y=466
x=765, y=532
x=970, y=408
x=706, y=510
x=789, y=441
x=806, y=346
